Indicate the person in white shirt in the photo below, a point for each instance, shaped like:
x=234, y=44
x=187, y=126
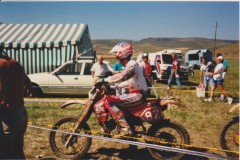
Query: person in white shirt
x=225, y=64
x=99, y=69
x=218, y=80
x=205, y=80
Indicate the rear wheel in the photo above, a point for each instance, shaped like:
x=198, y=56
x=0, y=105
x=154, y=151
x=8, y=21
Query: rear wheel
x=77, y=147
x=170, y=132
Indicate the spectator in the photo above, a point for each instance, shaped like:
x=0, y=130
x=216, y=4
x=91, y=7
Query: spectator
x=205, y=80
x=99, y=70
x=117, y=68
x=148, y=70
x=218, y=80
x=13, y=115
x=175, y=72
x=225, y=64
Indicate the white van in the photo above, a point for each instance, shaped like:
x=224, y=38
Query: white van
x=163, y=64
x=174, y=51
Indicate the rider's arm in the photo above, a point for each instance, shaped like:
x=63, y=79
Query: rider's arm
x=123, y=84
x=126, y=74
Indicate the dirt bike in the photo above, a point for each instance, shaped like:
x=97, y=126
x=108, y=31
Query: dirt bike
x=69, y=146
x=190, y=71
x=229, y=135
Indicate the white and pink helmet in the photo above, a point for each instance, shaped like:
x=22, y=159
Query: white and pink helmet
x=122, y=50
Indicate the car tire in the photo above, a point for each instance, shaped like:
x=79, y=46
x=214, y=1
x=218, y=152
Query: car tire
x=37, y=91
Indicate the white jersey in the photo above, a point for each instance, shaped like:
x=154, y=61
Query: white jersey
x=219, y=68
x=132, y=77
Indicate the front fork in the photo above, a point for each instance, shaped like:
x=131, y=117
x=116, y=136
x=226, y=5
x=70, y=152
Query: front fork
x=87, y=111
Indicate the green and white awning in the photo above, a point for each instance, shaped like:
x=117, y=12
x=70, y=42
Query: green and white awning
x=44, y=47
x=40, y=35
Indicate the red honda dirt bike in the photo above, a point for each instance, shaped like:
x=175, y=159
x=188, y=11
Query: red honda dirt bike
x=69, y=146
x=229, y=135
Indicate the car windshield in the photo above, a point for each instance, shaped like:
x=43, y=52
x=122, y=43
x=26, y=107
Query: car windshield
x=71, y=69
x=167, y=58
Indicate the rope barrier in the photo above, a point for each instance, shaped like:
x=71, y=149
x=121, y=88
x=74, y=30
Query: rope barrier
x=175, y=90
x=131, y=142
x=139, y=139
x=46, y=100
x=171, y=149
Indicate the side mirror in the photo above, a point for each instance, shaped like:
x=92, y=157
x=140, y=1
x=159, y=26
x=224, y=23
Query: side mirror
x=55, y=73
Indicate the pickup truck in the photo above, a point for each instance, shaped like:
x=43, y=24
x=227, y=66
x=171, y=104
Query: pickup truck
x=72, y=78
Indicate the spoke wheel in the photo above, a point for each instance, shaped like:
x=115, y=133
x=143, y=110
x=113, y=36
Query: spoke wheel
x=229, y=137
x=171, y=132
x=77, y=147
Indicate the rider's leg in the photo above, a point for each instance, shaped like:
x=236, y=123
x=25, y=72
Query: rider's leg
x=126, y=100
x=117, y=114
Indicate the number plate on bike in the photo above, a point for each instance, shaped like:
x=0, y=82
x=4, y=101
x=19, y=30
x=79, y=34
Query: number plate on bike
x=152, y=114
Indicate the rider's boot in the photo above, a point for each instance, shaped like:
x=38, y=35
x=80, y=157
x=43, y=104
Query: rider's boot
x=122, y=122
x=125, y=128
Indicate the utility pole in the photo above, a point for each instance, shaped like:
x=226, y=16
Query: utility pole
x=214, y=50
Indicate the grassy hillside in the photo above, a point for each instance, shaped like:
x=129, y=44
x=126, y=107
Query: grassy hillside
x=227, y=47
x=230, y=50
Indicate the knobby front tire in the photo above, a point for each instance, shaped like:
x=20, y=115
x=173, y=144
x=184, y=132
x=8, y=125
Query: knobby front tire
x=229, y=137
x=78, y=146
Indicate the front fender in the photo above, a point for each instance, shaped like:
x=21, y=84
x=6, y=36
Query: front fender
x=234, y=108
x=70, y=102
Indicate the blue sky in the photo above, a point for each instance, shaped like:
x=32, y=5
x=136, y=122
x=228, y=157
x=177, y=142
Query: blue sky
x=132, y=20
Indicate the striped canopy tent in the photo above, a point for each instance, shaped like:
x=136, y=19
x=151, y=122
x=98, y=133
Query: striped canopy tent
x=43, y=47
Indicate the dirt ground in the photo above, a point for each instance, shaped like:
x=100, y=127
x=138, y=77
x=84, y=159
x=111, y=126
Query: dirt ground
x=37, y=147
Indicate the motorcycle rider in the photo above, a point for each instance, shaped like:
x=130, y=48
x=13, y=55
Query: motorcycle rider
x=131, y=77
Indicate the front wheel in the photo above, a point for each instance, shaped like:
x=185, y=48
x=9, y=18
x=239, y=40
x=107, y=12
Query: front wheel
x=77, y=147
x=229, y=137
x=170, y=132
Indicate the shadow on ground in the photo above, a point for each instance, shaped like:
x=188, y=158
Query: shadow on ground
x=130, y=154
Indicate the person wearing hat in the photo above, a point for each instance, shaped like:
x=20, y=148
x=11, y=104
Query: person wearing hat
x=218, y=80
x=147, y=67
x=225, y=64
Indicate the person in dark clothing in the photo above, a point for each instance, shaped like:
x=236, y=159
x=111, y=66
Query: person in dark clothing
x=13, y=115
